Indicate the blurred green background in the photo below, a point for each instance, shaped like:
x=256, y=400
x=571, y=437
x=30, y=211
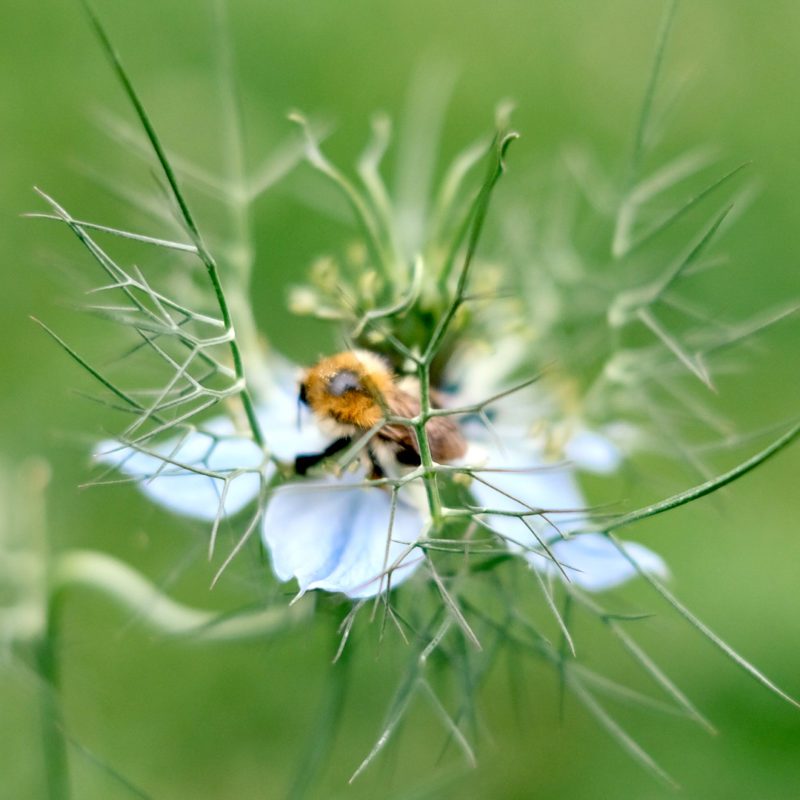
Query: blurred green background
x=178, y=720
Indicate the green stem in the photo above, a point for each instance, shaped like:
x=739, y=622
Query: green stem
x=425, y=456
x=476, y=218
x=709, y=486
x=247, y=333
x=242, y=258
x=191, y=226
x=649, y=95
x=53, y=742
x=563, y=654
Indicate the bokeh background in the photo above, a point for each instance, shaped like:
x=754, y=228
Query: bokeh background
x=177, y=720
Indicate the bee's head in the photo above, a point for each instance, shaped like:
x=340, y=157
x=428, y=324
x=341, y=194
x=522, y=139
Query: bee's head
x=348, y=388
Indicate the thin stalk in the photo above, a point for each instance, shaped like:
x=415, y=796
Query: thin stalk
x=191, y=226
x=649, y=95
x=53, y=742
x=708, y=487
x=241, y=257
x=476, y=218
x=425, y=456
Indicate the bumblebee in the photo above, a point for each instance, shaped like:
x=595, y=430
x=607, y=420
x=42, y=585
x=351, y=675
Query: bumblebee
x=351, y=392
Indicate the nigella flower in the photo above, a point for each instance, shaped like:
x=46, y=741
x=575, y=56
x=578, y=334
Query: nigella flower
x=338, y=533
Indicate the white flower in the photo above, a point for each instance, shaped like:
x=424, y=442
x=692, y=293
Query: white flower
x=335, y=534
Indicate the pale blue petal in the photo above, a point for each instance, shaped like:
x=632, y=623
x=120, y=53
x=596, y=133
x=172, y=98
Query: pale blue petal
x=593, y=562
x=550, y=487
x=593, y=452
x=288, y=433
x=288, y=427
x=589, y=560
x=332, y=535
x=185, y=492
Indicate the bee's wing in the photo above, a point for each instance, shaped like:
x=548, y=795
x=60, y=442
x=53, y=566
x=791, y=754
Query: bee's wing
x=444, y=436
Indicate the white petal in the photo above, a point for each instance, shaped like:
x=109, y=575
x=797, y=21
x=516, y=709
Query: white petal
x=594, y=563
x=288, y=427
x=186, y=492
x=593, y=452
x=533, y=484
x=589, y=560
x=332, y=535
x=288, y=433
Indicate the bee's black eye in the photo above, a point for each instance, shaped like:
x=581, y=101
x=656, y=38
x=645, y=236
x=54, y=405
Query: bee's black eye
x=344, y=381
x=302, y=394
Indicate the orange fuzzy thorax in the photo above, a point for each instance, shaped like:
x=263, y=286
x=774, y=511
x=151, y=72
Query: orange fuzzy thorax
x=360, y=407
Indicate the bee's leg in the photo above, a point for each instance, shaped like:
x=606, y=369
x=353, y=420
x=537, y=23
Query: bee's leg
x=304, y=462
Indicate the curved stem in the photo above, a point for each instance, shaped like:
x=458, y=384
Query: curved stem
x=709, y=486
x=135, y=593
